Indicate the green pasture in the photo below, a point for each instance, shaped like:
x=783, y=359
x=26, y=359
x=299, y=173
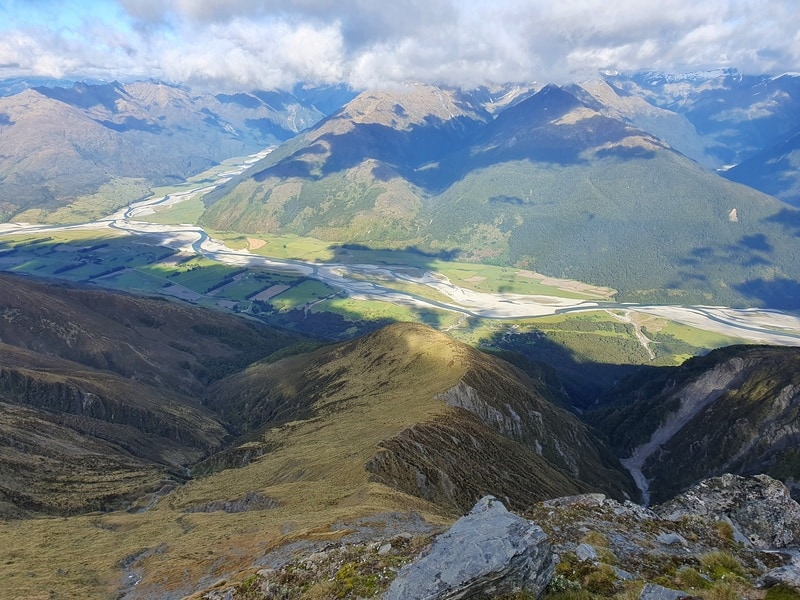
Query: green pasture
x=245, y=286
x=475, y=276
x=128, y=263
x=134, y=281
x=278, y=246
x=368, y=310
x=187, y=211
x=301, y=295
x=199, y=274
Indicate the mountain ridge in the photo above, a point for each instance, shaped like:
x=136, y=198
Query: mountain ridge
x=520, y=189
x=109, y=144
x=401, y=421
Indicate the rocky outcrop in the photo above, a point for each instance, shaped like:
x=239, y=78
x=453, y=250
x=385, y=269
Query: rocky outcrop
x=455, y=460
x=486, y=553
x=503, y=419
x=651, y=591
x=692, y=551
x=787, y=575
x=759, y=507
x=105, y=398
x=603, y=549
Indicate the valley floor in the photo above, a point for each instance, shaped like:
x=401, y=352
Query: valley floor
x=369, y=282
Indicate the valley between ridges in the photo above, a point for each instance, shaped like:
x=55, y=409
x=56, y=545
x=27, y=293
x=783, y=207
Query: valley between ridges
x=751, y=324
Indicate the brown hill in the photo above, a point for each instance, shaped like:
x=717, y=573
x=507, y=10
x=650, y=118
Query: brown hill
x=97, y=392
x=430, y=416
x=150, y=340
x=76, y=439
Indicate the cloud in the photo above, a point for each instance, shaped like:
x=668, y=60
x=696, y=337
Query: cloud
x=275, y=43
x=241, y=54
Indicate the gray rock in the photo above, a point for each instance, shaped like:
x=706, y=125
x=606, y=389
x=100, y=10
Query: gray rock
x=760, y=507
x=490, y=551
x=651, y=591
x=579, y=500
x=637, y=511
x=586, y=552
x=788, y=575
x=671, y=539
x=623, y=574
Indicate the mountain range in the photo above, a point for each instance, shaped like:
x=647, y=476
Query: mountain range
x=561, y=181
x=175, y=421
x=570, y=181
x=94, y=147
x=154, y=449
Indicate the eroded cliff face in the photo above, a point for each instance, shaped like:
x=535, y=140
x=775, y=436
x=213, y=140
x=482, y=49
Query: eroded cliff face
x=502, y=436
x=737, y=410
x=108, y=400
x=456, y=458
x=512, y=405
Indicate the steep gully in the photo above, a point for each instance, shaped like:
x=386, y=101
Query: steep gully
x=693, y=399
x=756, y=325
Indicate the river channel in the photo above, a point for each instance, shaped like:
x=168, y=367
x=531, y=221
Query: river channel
x=755, y=325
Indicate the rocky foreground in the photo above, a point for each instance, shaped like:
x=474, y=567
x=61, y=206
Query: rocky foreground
x=728, y=537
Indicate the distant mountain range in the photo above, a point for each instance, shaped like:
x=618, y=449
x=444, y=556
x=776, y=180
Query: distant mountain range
x=108, y=144
x=562, y=181
x=747, y=124
x=624, y=181
x=737, y=115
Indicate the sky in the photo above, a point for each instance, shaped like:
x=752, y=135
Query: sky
x=274, y=44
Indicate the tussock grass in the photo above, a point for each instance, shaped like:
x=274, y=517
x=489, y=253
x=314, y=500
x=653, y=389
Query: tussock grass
x=316, y=473
x=719, y=564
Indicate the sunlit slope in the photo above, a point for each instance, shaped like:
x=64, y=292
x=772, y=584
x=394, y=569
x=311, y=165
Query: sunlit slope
x=352, y=178
x=550, y=183
x=405, y=375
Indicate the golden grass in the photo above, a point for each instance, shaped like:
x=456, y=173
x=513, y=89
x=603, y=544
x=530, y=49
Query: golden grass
x=317, y=473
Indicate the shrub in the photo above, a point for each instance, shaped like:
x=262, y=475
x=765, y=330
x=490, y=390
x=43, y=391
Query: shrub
x=601, y=581
x=723, y=590
x=724, y=530
x=719, y=564
x=349, y=581
x=688, y=578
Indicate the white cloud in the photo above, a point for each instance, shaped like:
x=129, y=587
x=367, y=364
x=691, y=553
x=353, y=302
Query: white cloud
x=241, y=54
x=275, y=43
